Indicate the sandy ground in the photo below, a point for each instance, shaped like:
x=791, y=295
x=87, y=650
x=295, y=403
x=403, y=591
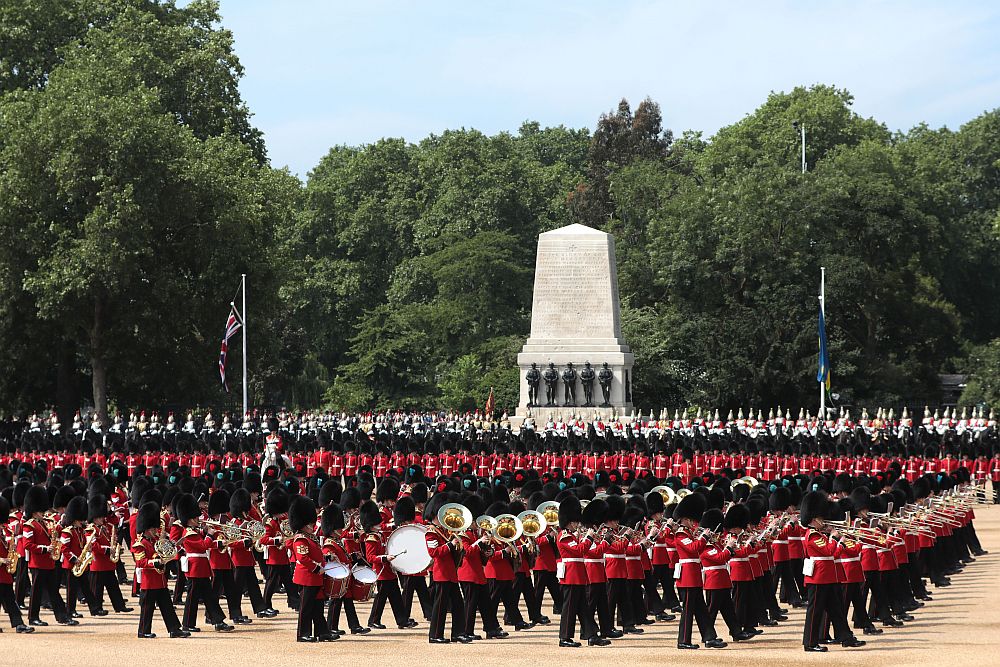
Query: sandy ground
x=961, y=626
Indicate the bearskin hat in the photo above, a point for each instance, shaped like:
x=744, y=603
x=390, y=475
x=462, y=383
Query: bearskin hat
x=387, y=490
x=405, y=511
x=780, y=499
x=616, y=508
x=814, y=506
x=570, y=511
x=419, y=493
x=148, y=517
x=843, y=483
x=63, y=495
x=218, y=503
x=654, y=503
x=4, y=510
x=633, y=515
x=712, y=519
x=36, y=500
x=140, y=485
x=860, y=498
x=691, y=506
x=253, y=483
x=595, y=513
x=333, y=520
x=97, y=507
x=186, y=508
x=738, y=516
x=329, y=493
x=277, y=502
x=301, y=513
x=239, y=503
x=369, y=515
x=76, y=510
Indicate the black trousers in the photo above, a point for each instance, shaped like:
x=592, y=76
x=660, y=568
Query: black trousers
x=416, y=584
x=619, y=602
x=447, y=599
x=638, y=599
x=477, y=599
x=788, y=591
x=224, y=582
x=597, y=603
x=276, y=576
x=387, y=589
x=10, y=605
x=720, y=601
x=22, y=584
x=504, y=590
x=201, y=592
x=824, y=602
x=854, y=594
x=524, y=589
x=311, y=619
x=879, y=605
x=664, y=576
x=746, y=614
x=546, y=580
x=651, y=597
x=574, y=609
x=693, y=609
x=106, y=581
x=333, y=616
x=148, y=601
x=78, y=587
x=180, y=586
x=246, y=583
x=46, y=582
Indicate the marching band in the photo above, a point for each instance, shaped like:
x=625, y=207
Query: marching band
x=609, y=546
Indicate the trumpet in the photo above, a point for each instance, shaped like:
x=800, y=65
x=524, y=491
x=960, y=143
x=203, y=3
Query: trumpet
x=868, y=536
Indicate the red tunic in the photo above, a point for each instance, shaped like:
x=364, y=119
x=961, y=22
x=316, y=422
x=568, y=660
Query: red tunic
x=308, y=562
x=689, y=558
x=573, y=553
x=443, y=567
x=145, y=556
x=822, y=550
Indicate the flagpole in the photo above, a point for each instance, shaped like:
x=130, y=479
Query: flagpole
x=243, y=315
x=822, y=307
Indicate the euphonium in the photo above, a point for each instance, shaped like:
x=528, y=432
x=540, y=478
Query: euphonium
x=550, y=510
x=455, y=517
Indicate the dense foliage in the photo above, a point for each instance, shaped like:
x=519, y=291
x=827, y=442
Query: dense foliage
x=134, y=190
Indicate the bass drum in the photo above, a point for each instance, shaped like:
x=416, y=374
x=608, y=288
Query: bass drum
x=362, y=584
x=407, y=543
x=336, y=580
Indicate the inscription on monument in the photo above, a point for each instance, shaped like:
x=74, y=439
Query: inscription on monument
x=571, y=296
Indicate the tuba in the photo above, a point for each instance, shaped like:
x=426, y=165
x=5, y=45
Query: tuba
x=508, y=528
x=550, y=510
x=486, y=524
x=668, y=494
x=455, y=517
x=532, y=523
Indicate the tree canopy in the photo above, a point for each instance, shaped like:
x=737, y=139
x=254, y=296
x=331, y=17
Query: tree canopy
x=134, y=190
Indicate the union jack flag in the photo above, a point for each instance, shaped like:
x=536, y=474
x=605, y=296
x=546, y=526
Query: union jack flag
x=233, y=325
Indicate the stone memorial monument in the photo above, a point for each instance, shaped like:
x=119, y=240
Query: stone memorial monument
x=575, y=323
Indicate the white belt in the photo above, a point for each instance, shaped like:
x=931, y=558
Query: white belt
x=797, y=538
x=574, y=560
x=199, y=555
x=689, y=560
x=671, y=549
x=740, y=560
x=615, y=556
x=633, y=557
x=780, y=542
x=822, y=557
x=868, y=546
x=856, y=559
x=592, y=560
x=714, y=567
x=660, y=545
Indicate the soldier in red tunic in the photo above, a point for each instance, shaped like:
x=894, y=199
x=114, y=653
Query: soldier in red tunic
x=447, y=552
x=572, y=573
x=38, y=542
x=151, y=577
x=309, y=560
x=6, y=581
x=688, y=573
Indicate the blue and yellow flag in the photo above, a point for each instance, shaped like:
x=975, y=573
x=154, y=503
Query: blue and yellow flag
x=823, y=375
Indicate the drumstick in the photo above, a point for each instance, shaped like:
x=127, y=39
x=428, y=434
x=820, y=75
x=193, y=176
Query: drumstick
x=399, y=554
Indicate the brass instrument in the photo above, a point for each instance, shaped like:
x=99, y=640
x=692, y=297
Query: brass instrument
x=86, y=554
x=116, y=546
x=455, y=517
x=869, y=536
x=486, y=524
x=165, y=548
x=683, y=493
x=286, y=529
x=12, y=556
x=748, y=480
x=56, y=545
x=508, y=529
x=669, y=495
x=532, y=523
x=550, y=510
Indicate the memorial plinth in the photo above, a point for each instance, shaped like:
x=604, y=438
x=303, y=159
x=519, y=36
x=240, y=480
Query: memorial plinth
x=576, y=318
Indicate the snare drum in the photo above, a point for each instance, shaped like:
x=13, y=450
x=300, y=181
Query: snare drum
x=362, y=584
x=336, y=580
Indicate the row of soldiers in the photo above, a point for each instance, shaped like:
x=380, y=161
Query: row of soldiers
x=617, y=555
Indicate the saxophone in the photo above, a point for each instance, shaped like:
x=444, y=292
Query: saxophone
x=56, y=544
x=116, y=546
x=86, y=555
x=12, y=556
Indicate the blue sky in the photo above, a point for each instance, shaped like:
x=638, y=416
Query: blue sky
x=321, y=73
